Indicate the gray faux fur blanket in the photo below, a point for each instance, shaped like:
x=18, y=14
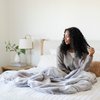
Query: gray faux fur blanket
x=52, y=80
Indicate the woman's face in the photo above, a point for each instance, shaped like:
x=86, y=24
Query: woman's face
x=67, y=38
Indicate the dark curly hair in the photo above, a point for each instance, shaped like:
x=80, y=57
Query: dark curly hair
x=77, y=40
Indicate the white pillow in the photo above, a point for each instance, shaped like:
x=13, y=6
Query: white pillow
x=47, y=61
x=53, y=51
x=96, y=56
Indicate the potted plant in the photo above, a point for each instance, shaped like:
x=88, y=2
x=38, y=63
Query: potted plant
x=15, y=48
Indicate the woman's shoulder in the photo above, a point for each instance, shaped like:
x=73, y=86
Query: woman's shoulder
x=58, y=49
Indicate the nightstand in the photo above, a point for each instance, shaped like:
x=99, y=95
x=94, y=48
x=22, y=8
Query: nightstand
x=4, y=68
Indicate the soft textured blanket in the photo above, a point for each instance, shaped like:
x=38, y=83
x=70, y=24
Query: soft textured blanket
x=51, y=80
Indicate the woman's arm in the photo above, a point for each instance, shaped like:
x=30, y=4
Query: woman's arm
x=86, y=62
x=60, y=64
x=87, y=59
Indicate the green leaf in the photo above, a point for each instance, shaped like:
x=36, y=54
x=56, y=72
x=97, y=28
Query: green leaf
x=5, y=42
x=17, y=47
x=13, y=45
x=8, y=47
x=11, y=50
x=19, y=53
x=23, y=51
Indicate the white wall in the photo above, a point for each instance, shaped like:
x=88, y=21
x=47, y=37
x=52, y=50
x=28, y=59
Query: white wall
x=48, y=19
x=4, y=33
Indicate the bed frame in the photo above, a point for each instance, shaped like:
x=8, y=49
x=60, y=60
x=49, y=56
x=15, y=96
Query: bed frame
x=42, y=40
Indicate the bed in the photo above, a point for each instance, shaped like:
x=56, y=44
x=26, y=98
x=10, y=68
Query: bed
x=48, y=52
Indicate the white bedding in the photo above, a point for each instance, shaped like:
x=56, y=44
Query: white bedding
x=15, y=93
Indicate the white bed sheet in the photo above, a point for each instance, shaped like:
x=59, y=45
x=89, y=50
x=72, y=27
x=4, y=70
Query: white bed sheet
x=15, y=93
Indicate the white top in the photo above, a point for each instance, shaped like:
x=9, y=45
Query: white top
x=72, y=54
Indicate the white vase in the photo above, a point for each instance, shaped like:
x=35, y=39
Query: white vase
x=17, y=58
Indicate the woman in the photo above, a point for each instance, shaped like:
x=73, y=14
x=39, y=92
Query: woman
x=74, y=51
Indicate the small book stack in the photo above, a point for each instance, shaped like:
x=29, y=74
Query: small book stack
x=18, y=64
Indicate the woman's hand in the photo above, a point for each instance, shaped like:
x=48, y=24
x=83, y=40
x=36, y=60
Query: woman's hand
x=91, y=51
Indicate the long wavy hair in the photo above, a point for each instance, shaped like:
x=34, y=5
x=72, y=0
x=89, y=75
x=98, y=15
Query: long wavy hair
x=77, y=41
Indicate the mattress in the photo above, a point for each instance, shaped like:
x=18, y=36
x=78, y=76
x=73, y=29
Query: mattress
x=16, y=93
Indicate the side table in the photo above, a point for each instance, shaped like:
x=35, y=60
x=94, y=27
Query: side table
x=5, y=68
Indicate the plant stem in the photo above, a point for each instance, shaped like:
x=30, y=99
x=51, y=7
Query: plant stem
x=14, y=49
